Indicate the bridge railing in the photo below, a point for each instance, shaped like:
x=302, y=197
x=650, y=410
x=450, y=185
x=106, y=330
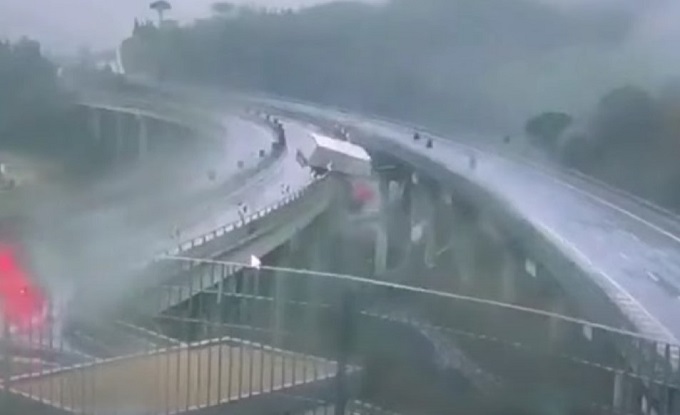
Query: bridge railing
x=276, y=340
x=482, y=143
x=245, y=220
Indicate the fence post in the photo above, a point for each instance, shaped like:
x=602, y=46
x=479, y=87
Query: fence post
x=345, y=336
x=6, y=368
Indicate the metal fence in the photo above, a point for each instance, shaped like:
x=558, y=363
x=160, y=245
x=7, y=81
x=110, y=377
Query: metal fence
x=275, y=340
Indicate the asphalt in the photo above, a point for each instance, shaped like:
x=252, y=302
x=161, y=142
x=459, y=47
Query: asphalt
x=631, y=250
x=87, y=238
x=636, y=261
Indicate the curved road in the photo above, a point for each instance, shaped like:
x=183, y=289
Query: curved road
x=635, y=261
x=630, y=250
x=125, y=221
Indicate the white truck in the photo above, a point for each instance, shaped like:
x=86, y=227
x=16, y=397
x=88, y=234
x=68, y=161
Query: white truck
x=330, y=154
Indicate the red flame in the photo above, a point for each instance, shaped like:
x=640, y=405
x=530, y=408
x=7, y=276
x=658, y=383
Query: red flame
x=21, y=301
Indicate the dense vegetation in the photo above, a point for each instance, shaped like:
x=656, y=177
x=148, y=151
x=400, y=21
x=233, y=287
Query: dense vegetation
x=630, y=139
x=33, y=108
x=441, y=63
x=432, y=61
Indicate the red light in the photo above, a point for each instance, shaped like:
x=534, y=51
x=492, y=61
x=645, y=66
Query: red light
x=21, y=301
x=362, y=193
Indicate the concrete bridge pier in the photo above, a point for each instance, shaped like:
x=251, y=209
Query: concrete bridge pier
x=143, y=137
x=318, y=256
x=509, y=269
x=381, y=239
x=281, y=295
x=94, y=116
x=507, y=261
x=620, y=393
x=404, y=224
x=462, y=246
x=120, y=132
x=430, y=205
x=406, y=196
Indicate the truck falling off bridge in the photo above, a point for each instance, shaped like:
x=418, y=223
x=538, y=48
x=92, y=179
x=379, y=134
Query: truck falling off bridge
x=330, y=154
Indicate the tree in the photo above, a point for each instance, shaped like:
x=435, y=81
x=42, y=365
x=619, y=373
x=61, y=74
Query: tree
x=160, y=6
x=361, y=55
x=546, y=128
x=627, y=118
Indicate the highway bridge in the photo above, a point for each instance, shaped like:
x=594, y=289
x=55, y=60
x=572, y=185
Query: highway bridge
x=612, y=258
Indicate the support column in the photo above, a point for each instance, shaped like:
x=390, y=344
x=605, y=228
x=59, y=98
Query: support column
x=318, y=257
x=407, y=190
x=508, y=274
x=381, y=241
x=555, y=326
x=463, y=247
x=95, y=119
x=430, y=252
x=280, y=297
x=619, y=393
x=143, y=137
x=120, y=133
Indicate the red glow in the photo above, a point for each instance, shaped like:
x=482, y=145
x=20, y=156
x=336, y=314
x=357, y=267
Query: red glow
x=20, y=300
x=362, y=193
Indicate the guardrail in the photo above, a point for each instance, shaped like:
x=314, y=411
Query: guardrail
x=136, y=104
x=247, y=219
x=477, y=146
x=665, y=222
x=508, y=153
x=280, y=340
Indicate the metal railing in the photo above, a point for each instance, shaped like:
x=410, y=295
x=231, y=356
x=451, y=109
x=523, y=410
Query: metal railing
x=279, y=340
x=489, y=146
x=246, y=219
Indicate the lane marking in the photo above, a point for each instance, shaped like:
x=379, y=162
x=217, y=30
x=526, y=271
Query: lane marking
x=584, y=192
x=627, y=297
x=652, y=276
x=583, y=258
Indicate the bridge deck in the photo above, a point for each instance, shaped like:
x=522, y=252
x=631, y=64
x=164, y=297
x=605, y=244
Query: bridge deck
x=175, y=380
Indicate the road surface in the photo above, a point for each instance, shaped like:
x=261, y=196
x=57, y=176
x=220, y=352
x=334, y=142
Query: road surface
x=88, y=241
x=631, y=252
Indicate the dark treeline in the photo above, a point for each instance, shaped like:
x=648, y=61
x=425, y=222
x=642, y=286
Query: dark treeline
x=33, y=107
x=430, y=62
x=421, y=60
x=631, y=139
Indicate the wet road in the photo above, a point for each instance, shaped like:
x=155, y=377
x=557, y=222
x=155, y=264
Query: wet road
x=89, y=240
x=636, y=262
x=630, y=251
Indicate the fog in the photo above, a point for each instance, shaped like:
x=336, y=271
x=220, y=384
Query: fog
x=573, y=78
x=71, y=24
x=570, y=77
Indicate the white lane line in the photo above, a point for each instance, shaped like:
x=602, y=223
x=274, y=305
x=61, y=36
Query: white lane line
x=652, y=276
x=586, y=260
x=581, y=256
x=631, y=302
x=563, y=183
x=605, y=202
